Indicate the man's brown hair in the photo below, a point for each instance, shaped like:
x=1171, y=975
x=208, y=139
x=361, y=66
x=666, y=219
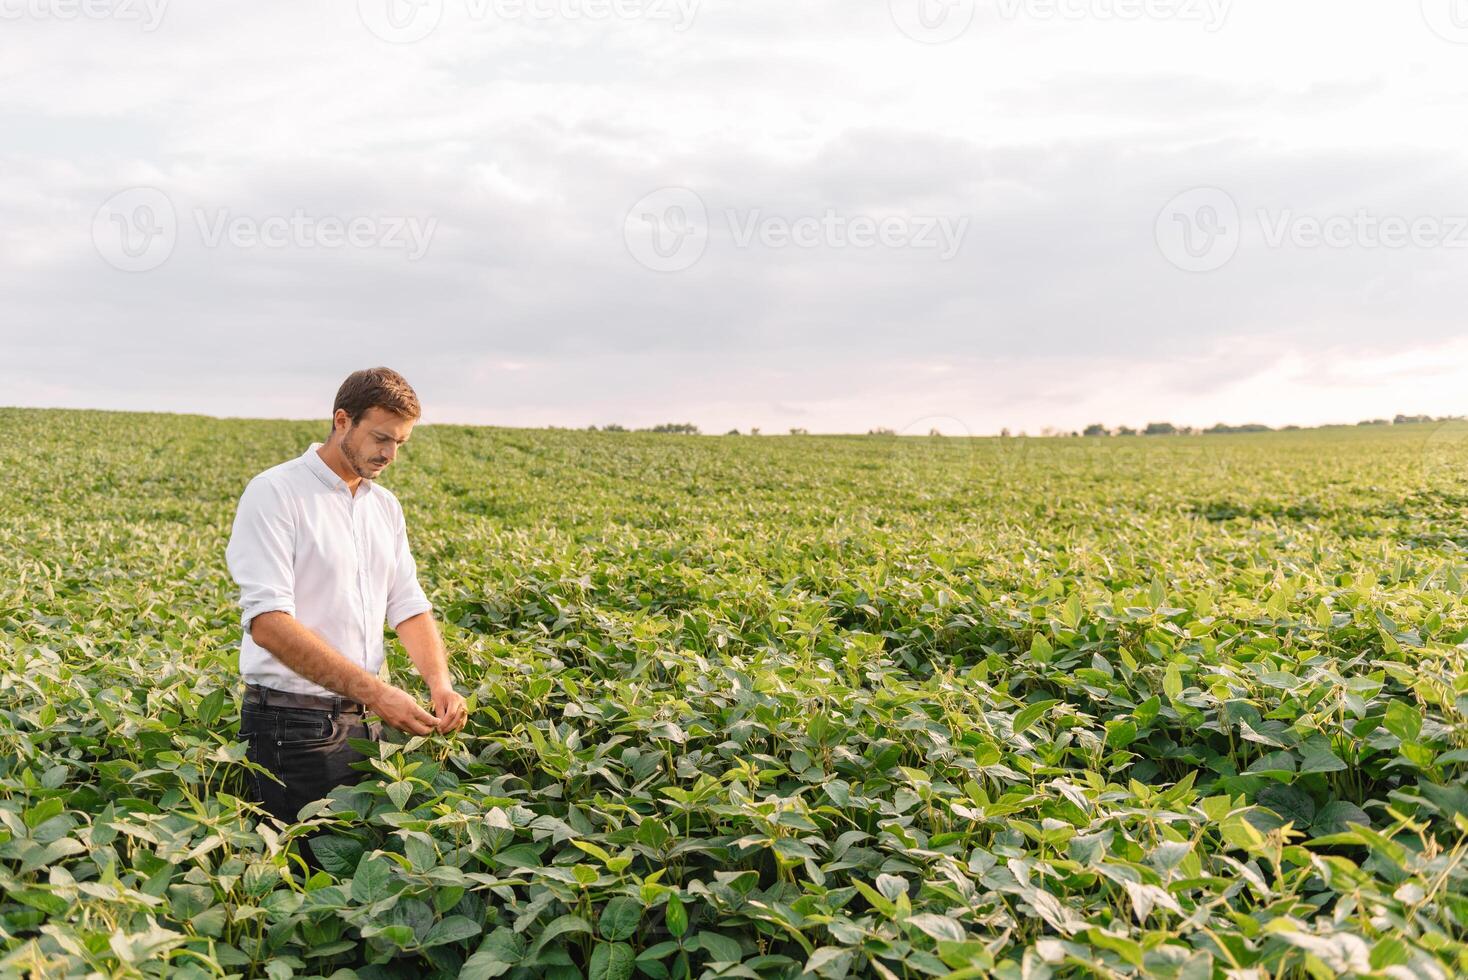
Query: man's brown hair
x=377, y=387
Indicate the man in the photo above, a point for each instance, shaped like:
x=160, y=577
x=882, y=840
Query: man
x=320, y=554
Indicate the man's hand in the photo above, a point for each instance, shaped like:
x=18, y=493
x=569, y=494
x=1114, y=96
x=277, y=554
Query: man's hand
x=451, y=710
x=400, y=710
x=419, y=635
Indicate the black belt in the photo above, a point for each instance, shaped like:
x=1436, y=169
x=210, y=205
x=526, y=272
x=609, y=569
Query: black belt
x=269, y=697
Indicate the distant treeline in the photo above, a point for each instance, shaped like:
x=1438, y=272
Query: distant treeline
x=1094, y=430
x=1168, y=429
x=675, y=428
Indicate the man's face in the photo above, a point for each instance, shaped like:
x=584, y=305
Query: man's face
x=371, y=444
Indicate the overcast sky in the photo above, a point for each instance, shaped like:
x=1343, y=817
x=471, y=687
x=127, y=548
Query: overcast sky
x=835, y=215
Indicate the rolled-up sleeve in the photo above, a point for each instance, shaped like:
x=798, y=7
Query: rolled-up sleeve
x=260, y=552
x=406, y=598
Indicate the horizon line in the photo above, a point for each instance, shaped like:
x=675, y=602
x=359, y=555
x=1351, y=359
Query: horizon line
x=876, y=432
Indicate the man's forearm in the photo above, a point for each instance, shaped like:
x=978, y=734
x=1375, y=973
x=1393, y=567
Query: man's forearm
x=313, y=658
x=419, y=636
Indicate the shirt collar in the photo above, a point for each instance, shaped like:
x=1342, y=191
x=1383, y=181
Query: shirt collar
x=325, y=473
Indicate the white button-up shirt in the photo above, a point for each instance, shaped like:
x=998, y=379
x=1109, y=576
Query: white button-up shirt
x=339, y=563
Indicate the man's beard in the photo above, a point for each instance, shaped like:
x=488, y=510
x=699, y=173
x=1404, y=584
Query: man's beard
x=355, y=461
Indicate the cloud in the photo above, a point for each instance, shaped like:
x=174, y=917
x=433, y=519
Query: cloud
x=526, y=143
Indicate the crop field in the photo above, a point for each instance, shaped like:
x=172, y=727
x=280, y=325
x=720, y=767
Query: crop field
x=1186, y=707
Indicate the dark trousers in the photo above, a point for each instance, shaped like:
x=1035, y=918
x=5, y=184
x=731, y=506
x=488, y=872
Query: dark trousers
x=307, y=751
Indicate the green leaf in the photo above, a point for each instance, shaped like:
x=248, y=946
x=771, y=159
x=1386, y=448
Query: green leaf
x=338, y=855
x=829, y=961
x=1089, y=848
x=1126, y=948
x=1403, y=721
x=1172, y=682
x=451, y=930
x=1031, y=714
x=399, y=792
x=677, y=916
x=1389, y=951
x=1277, y=765
x=210, y=708
x=620, y=917
x=1290, y=802
x=892, y=886
x=721, y=949
x=211, y=922
x=484, y=965
x=612, y=961
x=660, y=951
x=372, y=880
x=1120, y=733
x=400, y=936
x=1316, y=756
x=877, y=900
x=518, y=856
x=446, y=897
x=1450, y=801
x=593, y=850
x=562, y=926
x=420, y=853
x=504, y=945
x=1147, y=712
x=1334, y=817
x=937, y=926
x=43, y=811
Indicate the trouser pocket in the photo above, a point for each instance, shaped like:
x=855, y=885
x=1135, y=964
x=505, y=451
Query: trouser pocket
x=300, y=729
x=307, y=751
